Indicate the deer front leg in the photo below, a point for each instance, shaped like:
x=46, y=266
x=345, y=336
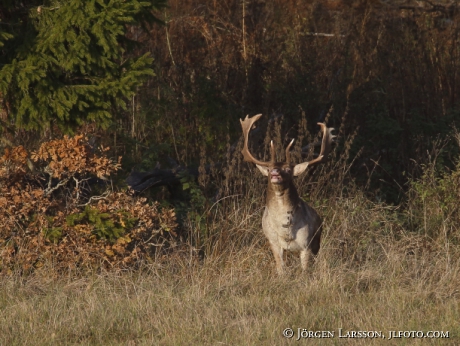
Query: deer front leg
x=304, y=259
x=278, y=254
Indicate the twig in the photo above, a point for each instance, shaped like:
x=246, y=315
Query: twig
x=96, y=198
x=320, y=34
x=51, y=189
x=167, y=40
x=77, y=183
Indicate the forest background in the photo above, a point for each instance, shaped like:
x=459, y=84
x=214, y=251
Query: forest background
x=98, y=95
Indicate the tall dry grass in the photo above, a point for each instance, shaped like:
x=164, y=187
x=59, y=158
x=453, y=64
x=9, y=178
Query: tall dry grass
x=368, y=276
x=377, y=271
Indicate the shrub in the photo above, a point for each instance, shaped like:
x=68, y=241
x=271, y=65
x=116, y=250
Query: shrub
x=433, y=207
x=44, y=224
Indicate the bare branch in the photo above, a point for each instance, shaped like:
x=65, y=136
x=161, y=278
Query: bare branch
x=96, y=198
x=50, y=189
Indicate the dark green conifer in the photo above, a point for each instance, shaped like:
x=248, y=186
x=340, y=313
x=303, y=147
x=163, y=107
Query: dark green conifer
x=70, y=61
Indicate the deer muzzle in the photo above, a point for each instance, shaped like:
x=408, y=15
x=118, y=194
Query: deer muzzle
x=275, y=176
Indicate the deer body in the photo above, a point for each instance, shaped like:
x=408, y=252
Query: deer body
x=296, y=228
x=288, y=222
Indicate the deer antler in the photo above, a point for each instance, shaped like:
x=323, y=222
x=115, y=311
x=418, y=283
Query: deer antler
x=326, y=142
x=288, y=155
x=246, y=125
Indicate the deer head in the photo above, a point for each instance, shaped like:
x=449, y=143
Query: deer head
x=280, y=173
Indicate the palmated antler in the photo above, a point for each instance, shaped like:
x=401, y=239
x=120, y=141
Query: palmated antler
x=326, y=144
x=246, y=125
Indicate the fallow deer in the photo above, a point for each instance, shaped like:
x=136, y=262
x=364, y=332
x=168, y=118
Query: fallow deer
x=288, y=222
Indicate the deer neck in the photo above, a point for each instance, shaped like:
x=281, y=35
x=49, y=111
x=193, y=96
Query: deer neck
x=282, y=197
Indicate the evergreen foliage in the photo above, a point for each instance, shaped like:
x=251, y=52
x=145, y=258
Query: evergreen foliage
x=104, y=225
x=67, y=62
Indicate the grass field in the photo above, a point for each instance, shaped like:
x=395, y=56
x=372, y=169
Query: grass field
x=369, y=276
x=382, y=269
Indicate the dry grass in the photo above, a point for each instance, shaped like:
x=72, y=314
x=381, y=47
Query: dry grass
x=369, y=276
x=381, y=268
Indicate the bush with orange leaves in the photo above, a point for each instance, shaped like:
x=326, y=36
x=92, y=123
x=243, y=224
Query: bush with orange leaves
x=48, y=216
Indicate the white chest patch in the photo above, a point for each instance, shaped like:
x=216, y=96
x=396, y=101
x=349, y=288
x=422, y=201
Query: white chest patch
x=286, y=228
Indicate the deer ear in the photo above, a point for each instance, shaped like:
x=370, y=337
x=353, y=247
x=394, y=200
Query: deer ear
x=300, y=168
x=263, y=169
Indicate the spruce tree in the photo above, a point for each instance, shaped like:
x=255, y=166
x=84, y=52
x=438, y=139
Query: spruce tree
x=68, y=62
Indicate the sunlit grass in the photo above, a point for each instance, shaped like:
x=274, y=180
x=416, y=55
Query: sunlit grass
x=235, y=297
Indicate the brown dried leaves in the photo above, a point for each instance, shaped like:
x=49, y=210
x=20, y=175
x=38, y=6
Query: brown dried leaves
x=34, y=225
